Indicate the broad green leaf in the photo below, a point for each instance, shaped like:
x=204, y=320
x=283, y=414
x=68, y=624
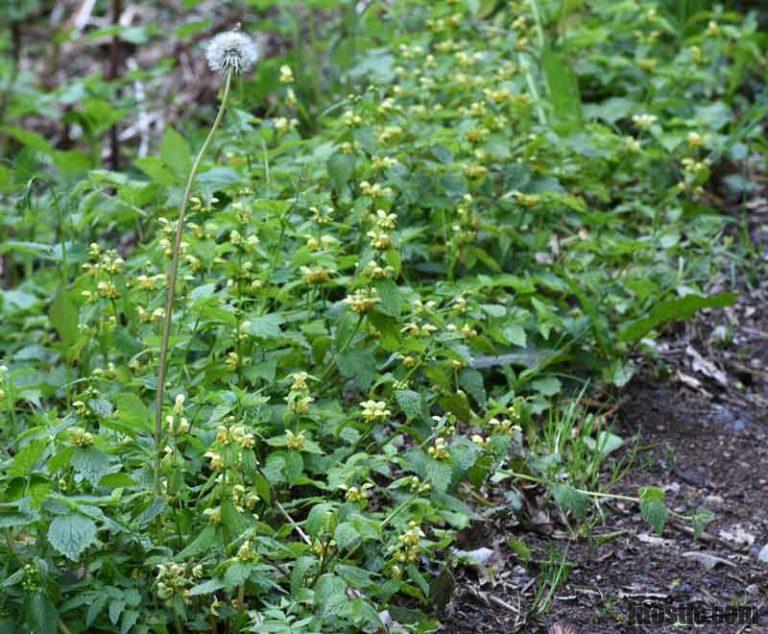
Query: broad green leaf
x=26, y=458
x=345, y=535
x=569, y=499
x=515, y=334
x=340, y=168
x=71, y=534
x=548, y=386
x=358, y=365
x=266, y=326
x=472, y=381
x=206, y=587
x=157, y=170
x=90, y=463
x=175, y=152
x=64, y=316
x=562, y=87
x=652, y=508
x=674, y=310
x=330, y=593
x=410, y=402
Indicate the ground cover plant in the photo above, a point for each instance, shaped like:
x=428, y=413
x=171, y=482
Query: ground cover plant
x=413, y=239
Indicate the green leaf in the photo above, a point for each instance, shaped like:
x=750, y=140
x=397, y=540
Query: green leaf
x=117, y=480
x=237, y=573
x=175, y=152
x=548, y=386
x=515, y=334
x=620, y=373
x=562, y=86
x=701, y=517
x=520, y=549
x=206, y=587
x=358, y=365
x=652, y=508
x=33, y=140
x=390, y=299
x=40, y=614
x=330, y=594
x=71, y=534
x=674, y=310
x=569, y=499
x=606, y=442
x=157, y=170
x=132, y=412
x=200, y=544
x=340, y=168
x=472, y=381
x=266, y=326
x=64, y=316
x=410, y=402
x=26, y=458
x=345, y=535
x=90, y=463
x=439, y=475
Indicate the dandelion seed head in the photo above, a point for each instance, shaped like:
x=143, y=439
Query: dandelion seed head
x=231, y=51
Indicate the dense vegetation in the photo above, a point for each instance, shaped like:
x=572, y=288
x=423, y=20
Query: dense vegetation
x=416, y=236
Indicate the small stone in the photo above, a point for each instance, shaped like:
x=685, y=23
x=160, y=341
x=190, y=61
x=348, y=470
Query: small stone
x=713, y=500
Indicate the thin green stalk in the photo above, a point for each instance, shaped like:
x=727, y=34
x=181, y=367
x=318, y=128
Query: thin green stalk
x=162, y=367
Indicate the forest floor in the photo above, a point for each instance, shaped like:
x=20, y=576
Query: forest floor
x=701, y=434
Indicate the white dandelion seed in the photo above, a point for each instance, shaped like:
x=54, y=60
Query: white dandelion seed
x=231, y=51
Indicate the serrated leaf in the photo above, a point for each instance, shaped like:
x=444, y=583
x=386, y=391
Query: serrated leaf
x=358, y=365
x=700, y=519
x=206, y=587
x=345, y=535
x=472, y=381
x=653, y=509
x=64, y=316
x=439, y=475
x=410, y=402
x=237, y=573
x=266, y=326
x=26, y=458
x=330, y=593
x=390, y=299
x=569, y=499
x=200, y=544
x=90, y=463
x=71, y=534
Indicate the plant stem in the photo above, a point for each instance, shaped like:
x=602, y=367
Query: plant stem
x=161, y=370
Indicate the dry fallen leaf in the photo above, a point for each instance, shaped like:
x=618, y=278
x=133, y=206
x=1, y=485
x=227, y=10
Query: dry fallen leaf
x=562, y=628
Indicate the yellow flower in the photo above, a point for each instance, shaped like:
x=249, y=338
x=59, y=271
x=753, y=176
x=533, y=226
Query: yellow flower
x=695, y=140
x=286, y=74
x=294, y=441
x=363, y=301
x=439, y=451
x=217, y=462
x=375, y=410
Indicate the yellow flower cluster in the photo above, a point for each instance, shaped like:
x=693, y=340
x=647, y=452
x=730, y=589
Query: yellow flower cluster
x=374, y=411
x=409, y=544
x=362, y=301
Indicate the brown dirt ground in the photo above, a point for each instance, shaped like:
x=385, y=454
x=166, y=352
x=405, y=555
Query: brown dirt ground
x=705, y=433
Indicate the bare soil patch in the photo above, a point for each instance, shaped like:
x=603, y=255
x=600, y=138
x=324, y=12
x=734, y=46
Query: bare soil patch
x=704, y=430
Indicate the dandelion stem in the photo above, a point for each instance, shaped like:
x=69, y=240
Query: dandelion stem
x=162, y=366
